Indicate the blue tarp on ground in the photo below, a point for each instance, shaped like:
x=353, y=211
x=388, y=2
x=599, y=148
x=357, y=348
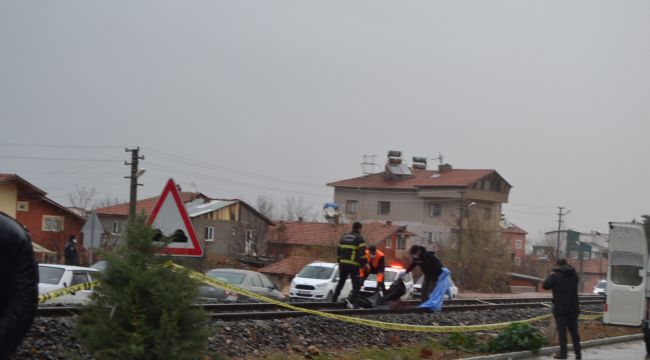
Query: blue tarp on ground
x=434, y=303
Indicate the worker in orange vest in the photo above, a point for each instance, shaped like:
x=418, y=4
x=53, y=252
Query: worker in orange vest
x=375, y=264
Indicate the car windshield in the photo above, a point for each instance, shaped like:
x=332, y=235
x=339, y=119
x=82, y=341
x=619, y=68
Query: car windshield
x=231, y=278
x=601, y=285
x=50, y=275
x=316, y=272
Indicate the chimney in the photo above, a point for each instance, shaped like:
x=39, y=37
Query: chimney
x=443, y=168
x=300, y=219
x=389, y=222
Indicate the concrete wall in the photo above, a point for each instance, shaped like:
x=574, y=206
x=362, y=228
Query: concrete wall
x=8, y=199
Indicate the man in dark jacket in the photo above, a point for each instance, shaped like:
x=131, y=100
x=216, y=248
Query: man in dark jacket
x=18, y=285
x=70, y=252
x=429, y=264
x=350, y=255
x=564, y=283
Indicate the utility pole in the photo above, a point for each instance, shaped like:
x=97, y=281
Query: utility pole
x=133, y=194
x=559, y=228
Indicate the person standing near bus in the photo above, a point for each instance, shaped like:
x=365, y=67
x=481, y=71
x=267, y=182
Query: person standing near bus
x=566, y=309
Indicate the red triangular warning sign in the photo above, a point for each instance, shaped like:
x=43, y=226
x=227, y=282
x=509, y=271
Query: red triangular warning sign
x=170, y=217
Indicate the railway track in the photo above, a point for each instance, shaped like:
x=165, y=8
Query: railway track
x=259, y=311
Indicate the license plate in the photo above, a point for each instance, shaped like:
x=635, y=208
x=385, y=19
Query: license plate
x=303, y=294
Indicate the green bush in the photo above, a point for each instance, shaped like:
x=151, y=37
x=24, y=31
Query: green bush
x=142, y=309
x=517, y=337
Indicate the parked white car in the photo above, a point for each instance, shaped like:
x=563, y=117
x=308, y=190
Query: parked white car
x=54, y=276
x=390, y=275
x=600, y=288
x=317, y=281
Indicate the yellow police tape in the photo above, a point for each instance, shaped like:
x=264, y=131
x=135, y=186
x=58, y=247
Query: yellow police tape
x=354, y=320
x=350, y=319
x=65, y=291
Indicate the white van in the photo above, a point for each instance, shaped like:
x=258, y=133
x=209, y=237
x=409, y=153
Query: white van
x=317, y=281
x=626, y=275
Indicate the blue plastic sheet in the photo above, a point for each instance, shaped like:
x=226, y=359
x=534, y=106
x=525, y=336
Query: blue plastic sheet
x=434, y=303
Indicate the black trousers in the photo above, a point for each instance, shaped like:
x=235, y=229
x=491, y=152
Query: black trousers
x=428, y=284
x=352, y=271
x=570, y=322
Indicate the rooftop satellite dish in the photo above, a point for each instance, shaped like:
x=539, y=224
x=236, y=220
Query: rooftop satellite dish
x=330, y=211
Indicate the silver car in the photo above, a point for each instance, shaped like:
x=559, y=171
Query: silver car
x=245, y=279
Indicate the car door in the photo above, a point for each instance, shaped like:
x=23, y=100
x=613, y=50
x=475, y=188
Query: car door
x=76, y=277
x=271, y=289
x=256, y=285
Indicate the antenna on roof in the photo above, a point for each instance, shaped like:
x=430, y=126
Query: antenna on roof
x=368, y=164
x=439, y=158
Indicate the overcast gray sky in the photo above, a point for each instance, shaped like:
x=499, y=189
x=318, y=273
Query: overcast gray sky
x=554, y=95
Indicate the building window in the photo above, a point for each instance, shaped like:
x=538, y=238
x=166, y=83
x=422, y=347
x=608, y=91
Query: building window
x=115, y=228
x=517, y=261
x=22, y=206
x=573, y=254
x=209, y=233
x=428, y=236
x=351, y=207
x=517, y=244
x=383, y=207
x=249, y=242
x=52, y=223
x=540, y=252
x=435, y=209
x=401, y=243
x=585, y=255
x=389, y=242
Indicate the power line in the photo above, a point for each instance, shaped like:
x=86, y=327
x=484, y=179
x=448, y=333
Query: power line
x=54, y=158
x=62, y=146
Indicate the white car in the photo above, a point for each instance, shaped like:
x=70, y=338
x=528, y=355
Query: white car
x=417, y=289
x=317, y=281
x=54, y=276
x=600, y=288
x=390, y=275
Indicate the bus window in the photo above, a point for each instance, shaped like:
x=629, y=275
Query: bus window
x=625, y=268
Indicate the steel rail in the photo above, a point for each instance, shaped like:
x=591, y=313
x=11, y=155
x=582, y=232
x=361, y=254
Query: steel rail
x=255, y=310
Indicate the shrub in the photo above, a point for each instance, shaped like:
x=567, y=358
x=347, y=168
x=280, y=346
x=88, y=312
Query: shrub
x=517, y=337
x=141, y=309
x=463, y=342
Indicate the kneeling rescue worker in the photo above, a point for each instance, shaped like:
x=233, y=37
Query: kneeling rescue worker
x=375, y=264
x=350, y=257
x=429, y=264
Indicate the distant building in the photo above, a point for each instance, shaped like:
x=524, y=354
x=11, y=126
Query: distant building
x=516, y=237
x=49, y=223
x=319, y=241
x=230, y=228
x=427, y=201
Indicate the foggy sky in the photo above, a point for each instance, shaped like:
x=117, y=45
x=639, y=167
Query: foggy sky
x=281, y=97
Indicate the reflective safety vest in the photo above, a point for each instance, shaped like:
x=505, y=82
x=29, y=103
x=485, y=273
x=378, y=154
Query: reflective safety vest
x=375, y=266
x=350, y=250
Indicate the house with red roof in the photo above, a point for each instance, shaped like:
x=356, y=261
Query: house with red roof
x=426, y=200
x=49, y=223
x=224, y=227
x=319, y=241
x=516, y=238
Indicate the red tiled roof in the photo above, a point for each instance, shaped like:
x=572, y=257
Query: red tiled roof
x=419, y=178
x=514, y=229
x=23, y=185
x=288, y=266
x=145, y=204
x=326, y=234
